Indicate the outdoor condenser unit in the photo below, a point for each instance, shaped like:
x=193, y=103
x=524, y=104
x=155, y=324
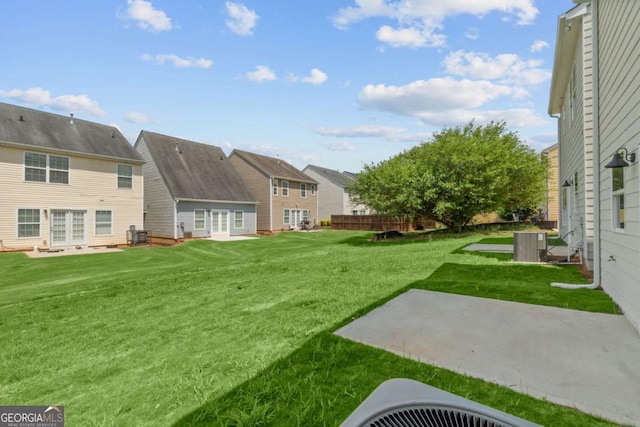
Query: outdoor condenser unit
x=406, y=403
x=529, y=246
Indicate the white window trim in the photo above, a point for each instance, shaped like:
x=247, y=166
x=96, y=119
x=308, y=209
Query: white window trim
x=286, y=216
x=18, y=224
x=123, y=176
x=235, y=219
x=274, y=187
x=204, y=219
x=95, y=223
x=615, y=203
x=47, y=168
x=303, y=190
x=313, y=189
x=285, y=188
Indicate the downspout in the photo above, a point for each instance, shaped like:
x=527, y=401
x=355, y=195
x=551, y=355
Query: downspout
x=175, y=219
x=270, y=204
x=596, y=161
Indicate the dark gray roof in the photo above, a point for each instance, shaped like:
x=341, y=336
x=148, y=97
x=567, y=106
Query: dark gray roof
x=196, y=171
x=273, y=167
x=338, y=178
x=40, y=129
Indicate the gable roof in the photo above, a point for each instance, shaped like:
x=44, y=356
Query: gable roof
x=27, y=127
x=273, y=167
x=340, y=179
x=195, y=171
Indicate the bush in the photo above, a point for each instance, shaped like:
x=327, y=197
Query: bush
x=325, y=223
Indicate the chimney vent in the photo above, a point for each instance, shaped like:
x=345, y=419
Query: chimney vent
x=71, y=120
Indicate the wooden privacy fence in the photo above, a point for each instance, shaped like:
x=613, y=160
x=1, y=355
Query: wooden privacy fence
x=377, y=223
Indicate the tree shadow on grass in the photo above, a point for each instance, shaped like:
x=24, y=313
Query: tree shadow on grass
x=324, y=380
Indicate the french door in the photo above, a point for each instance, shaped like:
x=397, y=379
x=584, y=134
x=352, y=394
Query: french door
x=68, y=228
x=219, y=222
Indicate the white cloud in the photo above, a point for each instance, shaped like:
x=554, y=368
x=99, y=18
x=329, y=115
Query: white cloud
x=515, y=118
x=338, y=146
x=419, y=19
x=177, y=61
x=136, y=117
x=472, y=33
x=146, y=16
x=506, y=68
x=538, y=45
x=261, y=74
x=366, y=131
x=68, y=103
x=436, y=94
x=317, y=77
x=410, y=37
x=241, y=20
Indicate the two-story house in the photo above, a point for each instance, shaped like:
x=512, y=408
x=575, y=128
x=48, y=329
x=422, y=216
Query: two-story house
x=65, y=182
x=287, y=196
x=335, y=199
x=595, y=94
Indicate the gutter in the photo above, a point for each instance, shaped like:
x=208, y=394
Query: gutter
x=216, y=201
x=31, y=147
x=597, y=261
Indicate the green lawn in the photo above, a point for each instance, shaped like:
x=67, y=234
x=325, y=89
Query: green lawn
x=239, y=333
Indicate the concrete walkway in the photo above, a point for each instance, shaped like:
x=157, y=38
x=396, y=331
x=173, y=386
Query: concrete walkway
x=590, y=361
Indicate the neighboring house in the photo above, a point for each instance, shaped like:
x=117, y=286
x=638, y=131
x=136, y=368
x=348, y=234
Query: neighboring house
x=65, y=182
x=595, y=93
x=549, y=210
x=287, y=196
x=192, y=190
x=334, y=199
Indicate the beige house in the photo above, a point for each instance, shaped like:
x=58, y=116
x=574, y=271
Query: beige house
x=65, y=182
x=287, y=197
x=550, y=209
x=595, y=95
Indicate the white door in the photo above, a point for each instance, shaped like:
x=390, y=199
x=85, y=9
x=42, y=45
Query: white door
x=296, y=217
x=68, y=228
x=219, y=223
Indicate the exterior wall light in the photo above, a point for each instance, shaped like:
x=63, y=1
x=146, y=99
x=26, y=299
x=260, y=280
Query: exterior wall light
x=567, y=183
x=618, y=161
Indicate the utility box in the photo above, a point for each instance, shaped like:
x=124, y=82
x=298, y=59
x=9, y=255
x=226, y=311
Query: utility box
x=529, y=246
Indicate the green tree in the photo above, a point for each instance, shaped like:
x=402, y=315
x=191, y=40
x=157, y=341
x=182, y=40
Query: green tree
x=464, y=171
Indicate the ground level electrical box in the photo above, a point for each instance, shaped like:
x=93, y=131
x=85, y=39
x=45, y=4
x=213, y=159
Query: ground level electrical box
x=529, y=246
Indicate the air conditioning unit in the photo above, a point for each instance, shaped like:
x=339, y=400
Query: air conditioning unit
x=529, y=246
x=407, y=403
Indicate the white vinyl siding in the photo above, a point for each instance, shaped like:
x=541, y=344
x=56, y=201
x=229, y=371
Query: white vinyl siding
x=125, y=176
x=285, y=188
x=104, y=223
x=199, y=222
x=28, y=222
x=238, y=219
x=46, y=168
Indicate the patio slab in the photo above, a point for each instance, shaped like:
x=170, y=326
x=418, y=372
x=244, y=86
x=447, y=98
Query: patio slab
x=578, y=359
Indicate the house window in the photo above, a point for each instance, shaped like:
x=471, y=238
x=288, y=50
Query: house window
x=103, y=223
x=303, y=190
x=28, y=222
x=198, y=219
x=618, y=197
x=287, y=217
x=38, y=169
x=575, y=182
x=275, y=187
x=313, y=189
x=238, y=219
x=285, y=188
x=125, y=176
x=363, y=211
x=59, y=169
x=306, y=215
x=354, y=212
x=573, y=85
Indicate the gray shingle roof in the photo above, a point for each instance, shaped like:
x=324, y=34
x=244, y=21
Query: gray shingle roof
x=196, y=171
x=338, y=178
x=273, y=167
x=45, y=130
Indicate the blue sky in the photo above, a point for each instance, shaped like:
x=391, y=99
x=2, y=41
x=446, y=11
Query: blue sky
x=332, y=83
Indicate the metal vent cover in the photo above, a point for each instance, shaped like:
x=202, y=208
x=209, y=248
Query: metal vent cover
x=407, y=403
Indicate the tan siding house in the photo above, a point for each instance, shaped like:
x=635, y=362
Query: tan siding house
x=286, y=196
x=606, y=51
x=65, y=182
x=550, y=208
